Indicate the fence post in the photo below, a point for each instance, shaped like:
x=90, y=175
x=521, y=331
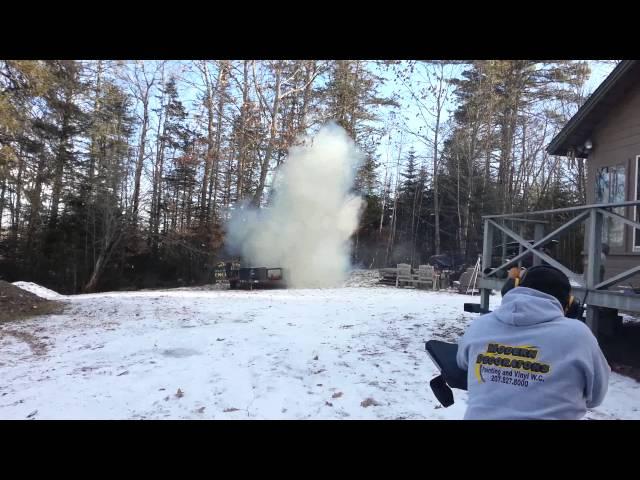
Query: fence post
x=538, y=233
x=487, y=250
x=594, y=256
x=520, y=247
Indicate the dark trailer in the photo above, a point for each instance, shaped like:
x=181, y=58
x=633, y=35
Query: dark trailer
x=259, y=277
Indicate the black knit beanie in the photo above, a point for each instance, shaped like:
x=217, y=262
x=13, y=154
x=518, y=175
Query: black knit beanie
x=549, y=280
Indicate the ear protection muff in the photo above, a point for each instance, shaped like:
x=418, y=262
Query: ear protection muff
x=575, y=308
x=570, y=303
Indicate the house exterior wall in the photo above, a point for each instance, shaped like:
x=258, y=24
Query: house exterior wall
x=616, y=142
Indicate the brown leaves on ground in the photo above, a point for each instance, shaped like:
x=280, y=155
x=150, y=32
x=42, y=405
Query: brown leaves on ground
x=336, y=395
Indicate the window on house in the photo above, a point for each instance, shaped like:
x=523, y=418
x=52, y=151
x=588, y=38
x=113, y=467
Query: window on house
x=611, y=188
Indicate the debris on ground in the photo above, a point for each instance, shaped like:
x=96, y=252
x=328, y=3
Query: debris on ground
x=369, y=402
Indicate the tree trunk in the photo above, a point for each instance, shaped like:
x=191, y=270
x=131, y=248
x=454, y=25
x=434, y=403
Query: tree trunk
x=88, y=195
x=469, y=192
x=306, y=97
x=221, y=105
x=436, y=200
x=140, y=161
x=436, y=207
x=15, y=224
x=460, y=227
x=156, y=181
x=36, y=203
x=264, y=167
x=228, y=175
x=205, y=205
x=158, y=171
x=242, y=147
x=100, y=264
x=61, y=160
x=2, y=192
x=394, y=217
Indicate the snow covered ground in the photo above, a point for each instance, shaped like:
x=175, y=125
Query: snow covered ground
x=346, y=353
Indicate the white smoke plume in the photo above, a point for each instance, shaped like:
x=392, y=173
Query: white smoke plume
x=308, y=226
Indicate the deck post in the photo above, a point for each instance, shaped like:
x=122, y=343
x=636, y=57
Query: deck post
x=594, y=257
x=487, y=250
x=538, y=233
x=520, y=249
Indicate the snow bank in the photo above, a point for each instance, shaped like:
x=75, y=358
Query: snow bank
x=39, y=290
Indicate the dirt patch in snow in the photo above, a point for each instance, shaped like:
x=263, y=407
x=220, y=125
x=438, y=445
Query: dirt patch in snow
x=17, y=304
x=369, y=402
x=36, y=345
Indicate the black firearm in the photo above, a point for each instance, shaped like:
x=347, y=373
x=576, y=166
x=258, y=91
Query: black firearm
x=475, y=308
x=443, y=354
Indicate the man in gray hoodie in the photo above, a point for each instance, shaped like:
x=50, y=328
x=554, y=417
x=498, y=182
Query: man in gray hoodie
x=525, y=360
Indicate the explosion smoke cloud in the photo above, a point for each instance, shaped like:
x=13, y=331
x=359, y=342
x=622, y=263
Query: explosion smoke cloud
x=308, y=227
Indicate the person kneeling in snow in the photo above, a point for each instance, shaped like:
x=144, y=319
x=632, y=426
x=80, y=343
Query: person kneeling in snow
x=526, y=360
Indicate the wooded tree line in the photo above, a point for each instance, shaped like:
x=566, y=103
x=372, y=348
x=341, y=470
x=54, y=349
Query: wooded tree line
x=488, y=157
x=121, y=174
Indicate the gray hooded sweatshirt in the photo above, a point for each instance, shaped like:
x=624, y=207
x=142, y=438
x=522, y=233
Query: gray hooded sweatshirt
x=525, y=360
